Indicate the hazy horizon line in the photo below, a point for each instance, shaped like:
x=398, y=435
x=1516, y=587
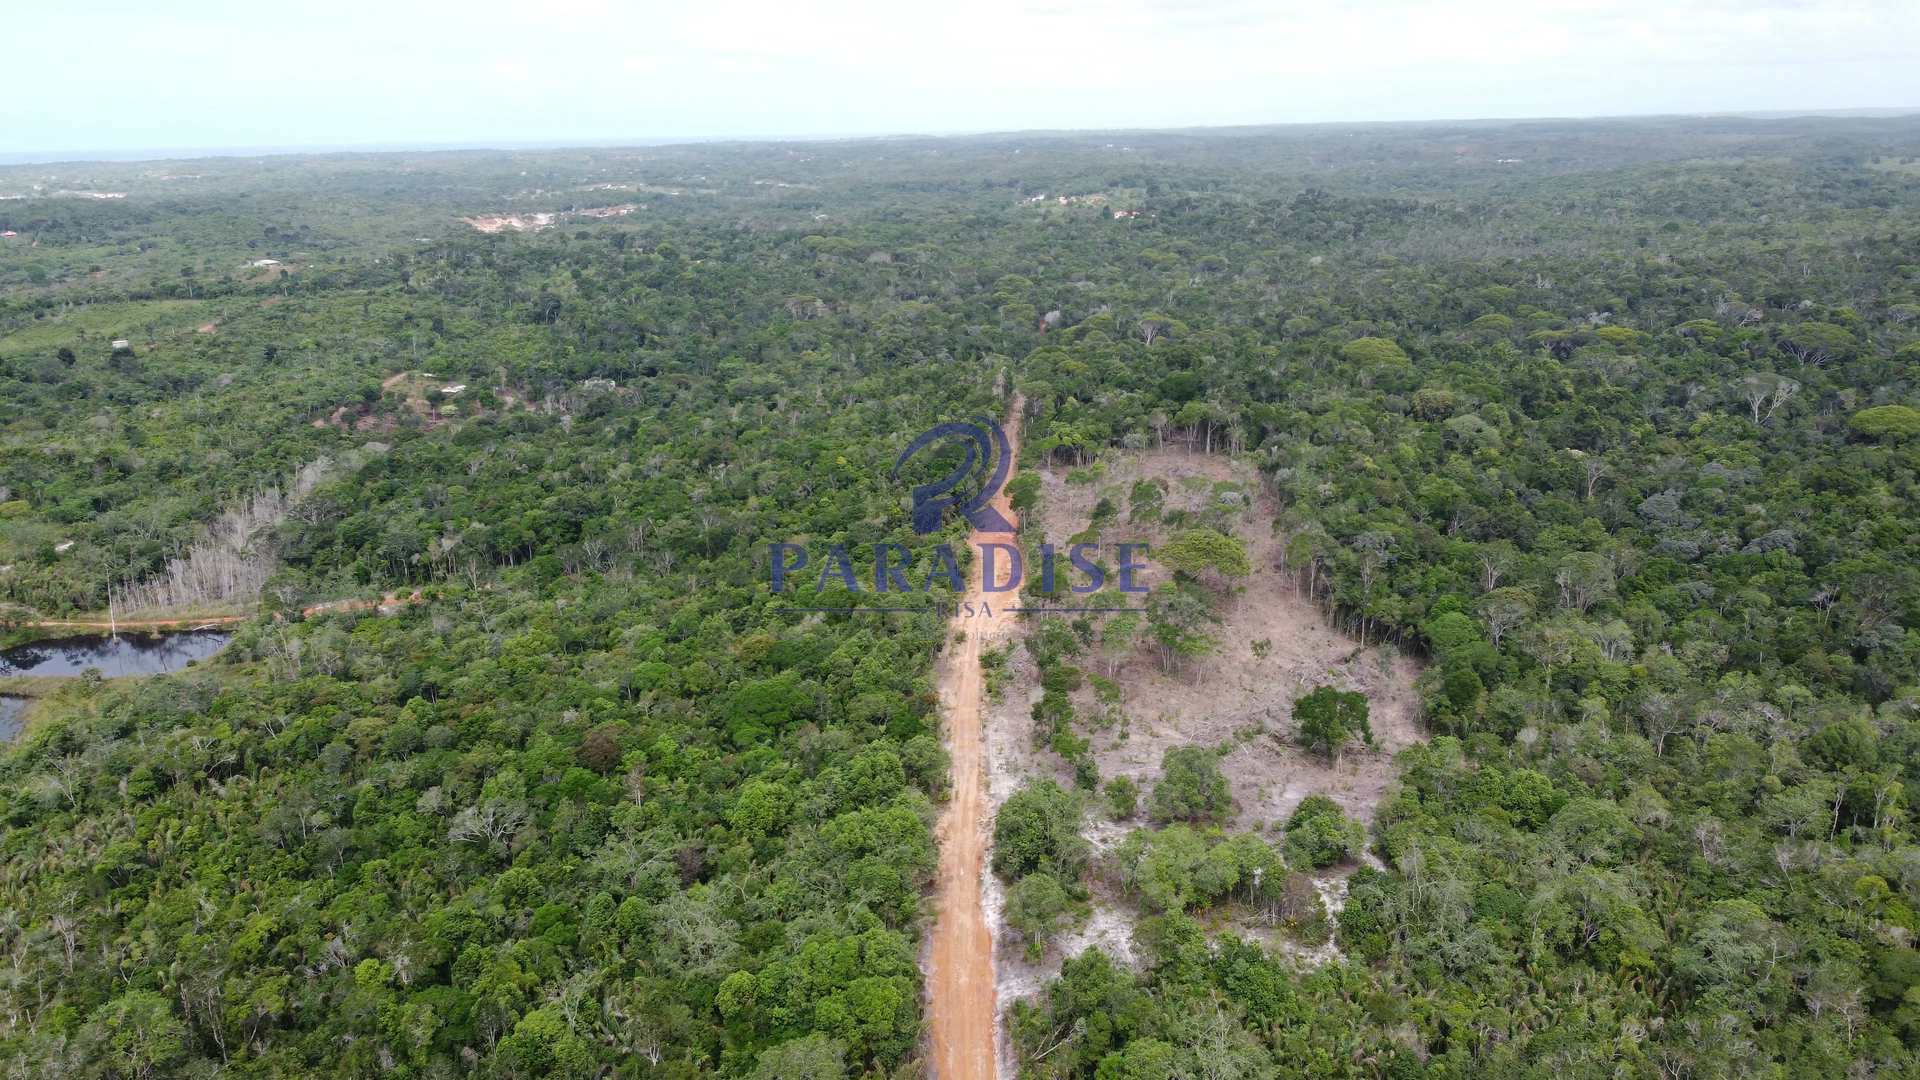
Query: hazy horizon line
x=135, y=155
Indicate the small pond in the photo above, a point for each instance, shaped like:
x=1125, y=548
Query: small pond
x=125, y=654
x=12, y=711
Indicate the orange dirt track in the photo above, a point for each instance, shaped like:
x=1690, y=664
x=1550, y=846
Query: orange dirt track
x=388, y=602
x=960, y=997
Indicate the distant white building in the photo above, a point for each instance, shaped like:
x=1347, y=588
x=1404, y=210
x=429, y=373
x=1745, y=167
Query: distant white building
x=263, y=263
x=121, y=344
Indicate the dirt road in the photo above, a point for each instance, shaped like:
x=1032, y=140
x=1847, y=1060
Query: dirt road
x=960, y=998
x=387, y=603
x=135, y=625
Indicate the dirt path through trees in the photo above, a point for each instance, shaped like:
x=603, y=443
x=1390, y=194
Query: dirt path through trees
x=102, y=626
x=388, y=602
x=960, y=989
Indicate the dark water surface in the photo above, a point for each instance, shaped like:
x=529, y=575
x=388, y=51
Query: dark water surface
x=12, y=710
x=127, y=654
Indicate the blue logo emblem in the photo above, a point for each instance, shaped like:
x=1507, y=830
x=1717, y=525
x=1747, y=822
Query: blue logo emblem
x=985, y=443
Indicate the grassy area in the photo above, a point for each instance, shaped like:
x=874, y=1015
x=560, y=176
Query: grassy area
x=39, y=690
x=49, y=696
x=141, y=322
x=33, y=686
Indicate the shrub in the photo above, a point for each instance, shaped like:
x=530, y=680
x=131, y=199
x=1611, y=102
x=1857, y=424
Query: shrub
x=1038, y=829
x=1191, y=786
x=1319, y=835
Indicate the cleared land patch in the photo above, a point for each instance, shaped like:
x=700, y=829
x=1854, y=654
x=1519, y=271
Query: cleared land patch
x=1271, y=646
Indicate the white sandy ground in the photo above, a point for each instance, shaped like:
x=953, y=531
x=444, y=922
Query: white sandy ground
x=1231, y=692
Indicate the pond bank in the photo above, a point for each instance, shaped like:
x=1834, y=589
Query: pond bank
x=113, y=656
x=13, y=715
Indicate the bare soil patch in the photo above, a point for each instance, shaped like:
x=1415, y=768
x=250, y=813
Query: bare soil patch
x=1273, y=646
x=546, y=219
x=1238, y=693
x=436, y=401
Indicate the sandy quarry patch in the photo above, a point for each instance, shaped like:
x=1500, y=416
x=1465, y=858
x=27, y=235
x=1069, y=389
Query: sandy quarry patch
x=496, y=223
x=1234, y=697
x=534, y=222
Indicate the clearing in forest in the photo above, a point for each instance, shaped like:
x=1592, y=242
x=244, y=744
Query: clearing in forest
x=87, y=328
x=1272, y=645
x=535, y=222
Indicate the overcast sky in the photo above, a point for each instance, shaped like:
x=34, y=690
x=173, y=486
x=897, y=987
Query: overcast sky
x=117, y=75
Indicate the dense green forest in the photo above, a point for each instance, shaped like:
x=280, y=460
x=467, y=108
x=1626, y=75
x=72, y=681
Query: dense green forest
x=1615, y=424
